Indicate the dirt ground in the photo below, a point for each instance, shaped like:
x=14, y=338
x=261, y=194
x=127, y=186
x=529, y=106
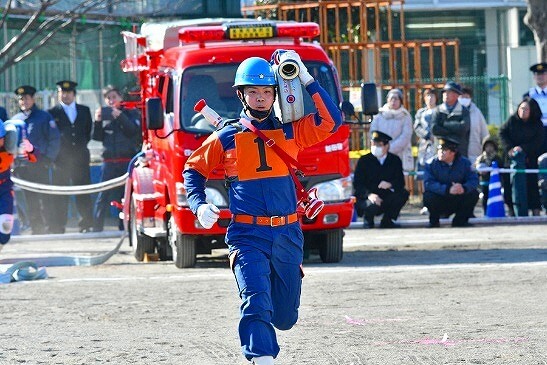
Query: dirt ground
x=407, y=296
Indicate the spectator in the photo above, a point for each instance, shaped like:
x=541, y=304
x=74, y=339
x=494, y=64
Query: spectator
x=3, y=114
x=478, y=130
x=72, y=164
x=119, y=130
x=542, y=177
x=422, y=128
x=539, y=94
x=450, y=119
x=395, y=121
x=8, y=152
x=450, y=185
x=43, y=134
x=379, y=183
x=264, y=237
x=490, y=153
x=521, y=139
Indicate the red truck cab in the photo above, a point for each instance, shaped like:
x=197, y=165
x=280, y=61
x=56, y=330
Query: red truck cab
x=195, y=60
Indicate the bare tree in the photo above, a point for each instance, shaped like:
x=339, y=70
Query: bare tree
x=41, y=27
x=536, y=20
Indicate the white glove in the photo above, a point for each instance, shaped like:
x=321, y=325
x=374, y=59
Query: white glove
x=27, y=146
x=304, y=75
x=207, y=215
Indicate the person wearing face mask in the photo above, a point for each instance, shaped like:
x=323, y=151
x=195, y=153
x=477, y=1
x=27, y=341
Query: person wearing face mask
x=478, y=130
x=394, y=120
x=488, y=156
x=452, y=119
x=379, y=184
x=450, y=185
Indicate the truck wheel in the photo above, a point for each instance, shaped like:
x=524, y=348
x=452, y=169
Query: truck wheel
x=331, y=246
x=183, y=246
x=141, y=244
x=185, y=255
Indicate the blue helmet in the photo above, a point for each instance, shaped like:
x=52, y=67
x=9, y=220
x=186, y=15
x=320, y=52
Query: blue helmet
x=2, y=129
x=255, y=71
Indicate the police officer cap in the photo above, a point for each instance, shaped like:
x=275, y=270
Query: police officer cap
x=449, y=143
x=378, y=136
x=67, y=85
x=539, y=67
x=25, y=90
x=452, y=86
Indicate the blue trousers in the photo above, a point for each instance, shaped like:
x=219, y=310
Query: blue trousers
x=267, y=266
x=6, y=207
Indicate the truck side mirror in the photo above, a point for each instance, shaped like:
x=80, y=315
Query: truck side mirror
x=154, y=114
x=349, y=111
x=369, y=99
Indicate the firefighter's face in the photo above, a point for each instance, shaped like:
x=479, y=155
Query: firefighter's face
x=113, y=99
x=259, y=97
x=26, y=102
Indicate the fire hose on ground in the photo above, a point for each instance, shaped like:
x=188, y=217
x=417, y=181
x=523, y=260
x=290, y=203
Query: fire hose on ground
x=31, y=270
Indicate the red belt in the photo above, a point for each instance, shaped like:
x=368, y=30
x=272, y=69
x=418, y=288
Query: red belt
x=274, y=221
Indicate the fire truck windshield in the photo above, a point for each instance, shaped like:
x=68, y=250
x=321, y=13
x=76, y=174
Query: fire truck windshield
x=214, y=84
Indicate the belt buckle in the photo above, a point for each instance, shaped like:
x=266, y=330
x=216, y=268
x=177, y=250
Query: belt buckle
x=281, y=220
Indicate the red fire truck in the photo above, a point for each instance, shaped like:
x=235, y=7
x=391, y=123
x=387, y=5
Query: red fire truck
x=180, y=63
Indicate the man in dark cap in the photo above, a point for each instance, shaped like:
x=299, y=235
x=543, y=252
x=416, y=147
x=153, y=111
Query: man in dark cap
x=72, y=164
x=451, y=119
x=450, y=185
x=539, y=94
x=42, y=132
x=379, y=183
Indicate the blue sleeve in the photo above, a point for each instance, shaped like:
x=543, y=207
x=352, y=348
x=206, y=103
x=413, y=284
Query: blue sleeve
x=471, y=177
x=328, y=104
x=431, y=183
x=194, y=183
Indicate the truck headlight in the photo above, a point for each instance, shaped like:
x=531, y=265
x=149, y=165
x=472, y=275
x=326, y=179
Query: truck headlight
x=215, y=197
x=335, y=190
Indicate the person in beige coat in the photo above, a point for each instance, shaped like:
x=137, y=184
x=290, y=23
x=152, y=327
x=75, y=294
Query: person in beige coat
x=394, y=120
x=478, y=129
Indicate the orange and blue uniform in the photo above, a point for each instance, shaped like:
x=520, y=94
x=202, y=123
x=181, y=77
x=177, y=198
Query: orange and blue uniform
x=6, y=188
x=265, y=252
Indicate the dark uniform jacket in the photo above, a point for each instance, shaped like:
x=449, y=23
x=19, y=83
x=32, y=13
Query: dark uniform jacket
x=369, y=172
x=528, y=135
x=43, y=133
x=120, y=136
x=3, y=114
x=74, y=137
x=439, y=176
x=455, y=124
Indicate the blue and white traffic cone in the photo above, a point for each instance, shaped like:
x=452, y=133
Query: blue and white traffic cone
x=494, y=205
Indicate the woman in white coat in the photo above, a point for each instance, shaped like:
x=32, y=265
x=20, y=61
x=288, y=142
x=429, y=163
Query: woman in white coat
x=394, y=120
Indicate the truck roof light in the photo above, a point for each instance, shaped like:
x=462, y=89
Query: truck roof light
x=248, y=30
x=201, y=34
x=298, y=30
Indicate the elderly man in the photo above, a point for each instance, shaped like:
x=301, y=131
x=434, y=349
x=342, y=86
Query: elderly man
x=450, y=185
x=379, y=183
x=451, y=119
